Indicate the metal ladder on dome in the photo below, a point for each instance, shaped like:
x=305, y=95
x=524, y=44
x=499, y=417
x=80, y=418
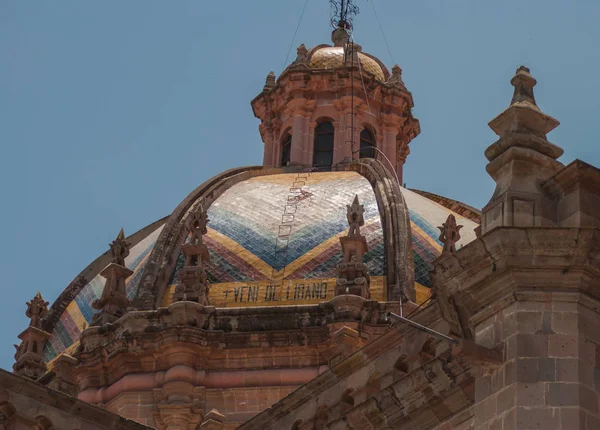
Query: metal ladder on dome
x=295, y=195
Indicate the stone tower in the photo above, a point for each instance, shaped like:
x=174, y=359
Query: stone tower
x=335, y=104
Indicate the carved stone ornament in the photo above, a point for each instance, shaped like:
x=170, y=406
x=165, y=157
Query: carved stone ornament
x=28, y=356
x=355, y=217
x=192, y=282
x=269, y=82
x=301, y=55
x=119, y=249
x=450, y=234
x=353, y=276
x=113, y=303
x=37, y=309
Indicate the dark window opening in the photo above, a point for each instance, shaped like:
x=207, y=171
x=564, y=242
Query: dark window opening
x=367, y=144
x=323, y=149
x=286, y=149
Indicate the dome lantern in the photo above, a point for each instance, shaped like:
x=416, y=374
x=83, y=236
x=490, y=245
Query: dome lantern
x=318, y=110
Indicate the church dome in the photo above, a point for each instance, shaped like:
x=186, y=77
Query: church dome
x=265, y=251
x=324, y=57
x=343, y=54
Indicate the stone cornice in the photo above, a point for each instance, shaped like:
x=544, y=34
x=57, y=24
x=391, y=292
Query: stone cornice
x=119, y=348
x=397, y=398
x=576, y=173
x=13, y=386
x=494, y=268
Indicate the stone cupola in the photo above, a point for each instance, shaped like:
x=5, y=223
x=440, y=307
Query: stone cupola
x=334, y=104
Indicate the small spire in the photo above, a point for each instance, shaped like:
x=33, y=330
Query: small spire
x=301, y=54
x=523, y=115
x=450, y=234
x=523, y=83
x=37, y=309
x=396, y=78
x=192, y=282
x=355, y=217
x=28, y=356
x=119, y=248
x=269, y=82
x=113, y=302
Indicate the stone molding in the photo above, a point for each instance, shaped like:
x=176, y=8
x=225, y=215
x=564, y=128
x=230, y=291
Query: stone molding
x=460, y=208
x=28, y=403
x=187, y=333
x=497, y=266
x=368, y=389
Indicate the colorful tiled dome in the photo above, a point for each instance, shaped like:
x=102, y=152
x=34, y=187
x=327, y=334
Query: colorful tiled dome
x=245, y=221
x=332, y=57
x=78, y=313
x=247, y=256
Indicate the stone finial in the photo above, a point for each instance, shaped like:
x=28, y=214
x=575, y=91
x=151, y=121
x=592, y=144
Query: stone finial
x=113, y=303
x=37, y=309
x=353, y=274
x=119, y=248
x=340, y=36
x=355, y=217
x=269, y=82
x=450, y=234
x=396, y=78
x=301, y=55
x=523, y=115
x=28, y=356
x=198, y=225
x=192, y=282
x=523, y=83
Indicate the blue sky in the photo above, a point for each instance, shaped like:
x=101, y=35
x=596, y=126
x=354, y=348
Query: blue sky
x=112, y=112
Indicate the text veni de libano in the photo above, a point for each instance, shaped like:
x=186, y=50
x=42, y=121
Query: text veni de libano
x=275, y=293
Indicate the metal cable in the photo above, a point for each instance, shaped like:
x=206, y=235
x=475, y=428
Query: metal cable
x=382, y=32
x=294, y=37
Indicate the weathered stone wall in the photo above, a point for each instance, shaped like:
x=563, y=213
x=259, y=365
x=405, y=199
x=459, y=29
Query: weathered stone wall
x=25, y=404
x=549, y=376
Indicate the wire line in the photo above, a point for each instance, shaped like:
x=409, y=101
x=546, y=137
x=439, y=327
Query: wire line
x=294, y=37
x=382, y=32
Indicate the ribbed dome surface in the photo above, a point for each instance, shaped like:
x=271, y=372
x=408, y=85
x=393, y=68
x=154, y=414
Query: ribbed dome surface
x=332, y=57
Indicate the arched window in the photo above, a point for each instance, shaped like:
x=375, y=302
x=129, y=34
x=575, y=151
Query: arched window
x=323, y=149
x=367, y=144
x=286, y=149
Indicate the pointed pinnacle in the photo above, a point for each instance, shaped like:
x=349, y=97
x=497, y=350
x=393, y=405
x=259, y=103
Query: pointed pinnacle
x=523, y=83
x=355, y=201
x=121, y=234
x=39, y=295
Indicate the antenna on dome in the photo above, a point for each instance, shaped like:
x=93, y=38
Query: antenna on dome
x=342, y=13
